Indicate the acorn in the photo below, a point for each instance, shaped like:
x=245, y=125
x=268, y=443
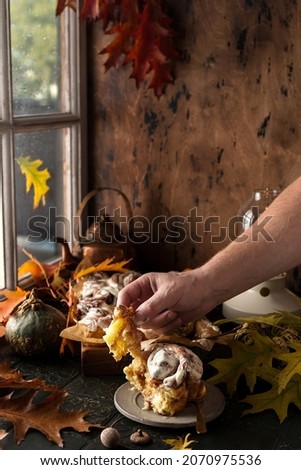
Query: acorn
x=110, y=438
x=140, y=437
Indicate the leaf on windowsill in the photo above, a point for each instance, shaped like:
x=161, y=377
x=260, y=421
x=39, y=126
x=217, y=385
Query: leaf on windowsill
x=44, y=415
x=180, y=443
x=35, y=178
x=12, y=299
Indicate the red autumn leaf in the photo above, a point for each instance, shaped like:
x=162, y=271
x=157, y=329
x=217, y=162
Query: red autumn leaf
x=119, y=46
x=62, y=4
x=152, y=50
x=142, y=35
x=104, y=10
x=161, y=76
x=123, y=30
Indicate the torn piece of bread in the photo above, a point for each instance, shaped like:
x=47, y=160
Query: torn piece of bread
x=167, y=375
x=122, y=336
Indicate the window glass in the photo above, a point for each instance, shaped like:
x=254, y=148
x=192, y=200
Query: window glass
x=36, y=64
x=1, y=60
x=40, y=61
x=38, y=227
x=1, y=222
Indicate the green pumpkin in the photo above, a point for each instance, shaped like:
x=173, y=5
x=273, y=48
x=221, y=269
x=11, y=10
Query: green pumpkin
x=34, y=327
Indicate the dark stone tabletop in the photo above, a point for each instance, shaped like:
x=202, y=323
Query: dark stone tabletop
x=229, y=431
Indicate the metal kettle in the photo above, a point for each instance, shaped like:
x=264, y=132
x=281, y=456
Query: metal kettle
x=104, y=238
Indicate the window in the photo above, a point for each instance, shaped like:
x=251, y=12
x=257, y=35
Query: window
x=41, y=117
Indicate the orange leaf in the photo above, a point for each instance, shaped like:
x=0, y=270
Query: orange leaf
x=37, y=270
x=13, y=298
x=99, y=9
x=10, y=377
x=105, y=265
x=45, y=415
x=152, y=48
x=119, y=46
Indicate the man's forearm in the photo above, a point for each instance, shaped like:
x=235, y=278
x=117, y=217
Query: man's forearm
x=271, y=246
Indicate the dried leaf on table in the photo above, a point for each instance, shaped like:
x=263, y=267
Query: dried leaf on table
x=180, y=443
x=12, y=378
x=292, y=367
x=266, y=347
x=247, y=359
x=274, y=400
x=43, y=415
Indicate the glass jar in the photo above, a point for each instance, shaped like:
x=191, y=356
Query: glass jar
x=254, y=207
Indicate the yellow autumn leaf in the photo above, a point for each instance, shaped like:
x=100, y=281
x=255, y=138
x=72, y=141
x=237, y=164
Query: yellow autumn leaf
x=247, y=360
x=35, y=177
x=179, y=443
x=274, y=400
x=292, y=365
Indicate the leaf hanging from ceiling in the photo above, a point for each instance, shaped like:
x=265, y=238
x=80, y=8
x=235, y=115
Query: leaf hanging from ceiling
x=142, y=35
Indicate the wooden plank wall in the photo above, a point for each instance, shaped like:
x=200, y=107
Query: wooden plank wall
x=229, y=124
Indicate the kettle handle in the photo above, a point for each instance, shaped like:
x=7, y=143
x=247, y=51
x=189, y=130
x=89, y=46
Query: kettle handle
x=87, y=198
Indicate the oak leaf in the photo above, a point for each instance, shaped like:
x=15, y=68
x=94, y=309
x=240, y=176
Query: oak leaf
x=35, y=178
x=106, y=265
x=44, y=415
x=62, y=4
x=180, y=443
x=119, y=46
x=152, y=49
x=246, y=360
x=143, y=36
x=99, y=9
x=12, y=378
x=274, y=400
x=292, y=365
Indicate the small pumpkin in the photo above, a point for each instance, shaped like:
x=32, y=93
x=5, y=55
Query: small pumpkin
x=34, y=327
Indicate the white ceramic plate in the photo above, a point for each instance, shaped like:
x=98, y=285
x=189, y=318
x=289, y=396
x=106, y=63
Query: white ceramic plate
x=129, y=402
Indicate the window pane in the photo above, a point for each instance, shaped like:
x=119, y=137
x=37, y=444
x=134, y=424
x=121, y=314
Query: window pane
x=36, y=58
x=2, y=282
x=37, y=228
x=2, y=67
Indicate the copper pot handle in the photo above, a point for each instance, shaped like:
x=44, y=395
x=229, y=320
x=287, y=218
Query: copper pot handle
x=89, y=196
